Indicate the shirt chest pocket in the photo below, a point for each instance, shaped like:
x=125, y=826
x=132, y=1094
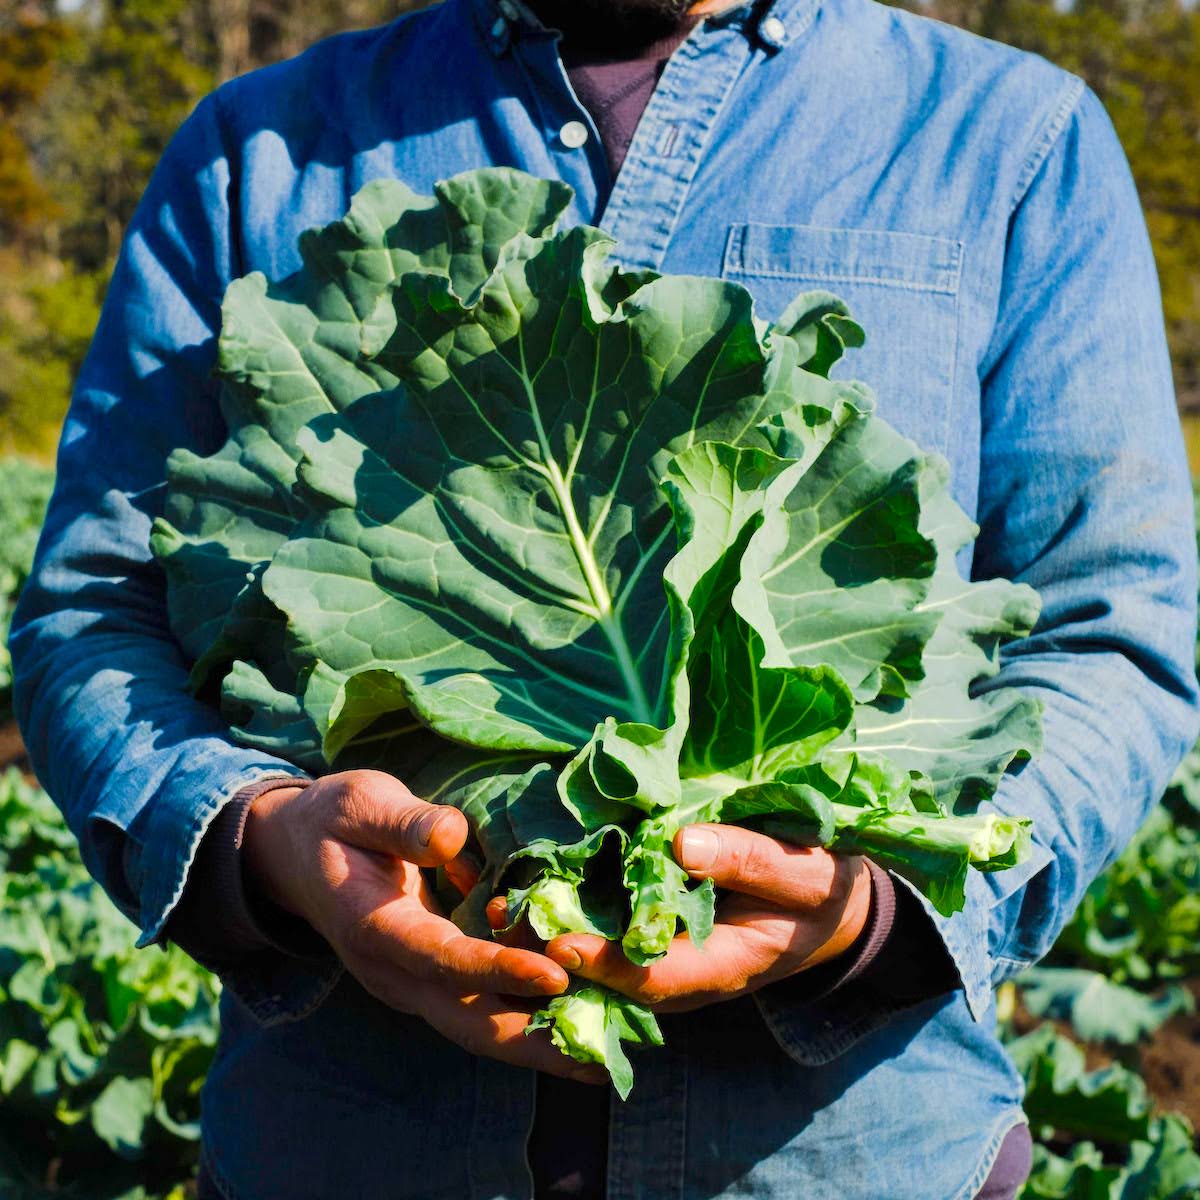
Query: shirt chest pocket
x=903, y=288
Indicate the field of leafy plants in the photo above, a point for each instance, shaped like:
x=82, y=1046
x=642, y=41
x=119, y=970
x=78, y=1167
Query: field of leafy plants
x=103, y=1048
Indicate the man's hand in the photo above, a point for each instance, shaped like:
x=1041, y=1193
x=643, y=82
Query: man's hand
x=345, y=854
x=791, y=908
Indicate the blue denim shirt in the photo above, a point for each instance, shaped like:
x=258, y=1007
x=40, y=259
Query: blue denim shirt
x=973, y=206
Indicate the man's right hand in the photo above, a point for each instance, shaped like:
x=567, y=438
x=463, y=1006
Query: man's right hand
x=345, y=854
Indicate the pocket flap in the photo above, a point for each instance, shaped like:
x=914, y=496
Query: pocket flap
x=863, y=256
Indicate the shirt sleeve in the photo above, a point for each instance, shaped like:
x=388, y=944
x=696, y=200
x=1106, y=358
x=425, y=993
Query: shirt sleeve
x=138, y=766
x=1085, y=495
x=222, y=920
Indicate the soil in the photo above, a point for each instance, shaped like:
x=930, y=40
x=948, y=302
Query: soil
x=12, y=749
x=1171, y=1064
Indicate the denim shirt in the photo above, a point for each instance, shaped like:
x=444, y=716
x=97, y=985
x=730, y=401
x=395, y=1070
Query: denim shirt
x=972, y=205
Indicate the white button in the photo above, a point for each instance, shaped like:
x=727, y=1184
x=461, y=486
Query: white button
x=573, y=135
x=500, y=26
x=773, y=29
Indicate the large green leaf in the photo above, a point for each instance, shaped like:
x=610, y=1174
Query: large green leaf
x=494, y=532
x=1110, y=1104
x=120, y=1113
x=1098, y=1009
x=835, y=574
x=293, y=350
x=954, y=730
x=591, y=554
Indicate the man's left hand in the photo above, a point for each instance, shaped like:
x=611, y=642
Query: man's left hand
x=789, y=908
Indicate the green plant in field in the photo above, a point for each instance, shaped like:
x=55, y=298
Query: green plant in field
x=103, y=1048
x=1097, y=1135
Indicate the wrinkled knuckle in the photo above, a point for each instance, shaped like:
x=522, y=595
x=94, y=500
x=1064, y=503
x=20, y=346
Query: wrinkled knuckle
x=651, y=992
x=390, y=991
x=448, y=955
x=361, y=934
x=756, y=862
x=506, y=959
x=476, y=1039
x=356, y=798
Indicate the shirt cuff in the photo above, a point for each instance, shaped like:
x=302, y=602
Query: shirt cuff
x=898, y=960
x=221, y=920
x=857, y=960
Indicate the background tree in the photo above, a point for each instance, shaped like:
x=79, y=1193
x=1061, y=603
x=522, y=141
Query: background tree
x=1142, y=58
x=91, y=91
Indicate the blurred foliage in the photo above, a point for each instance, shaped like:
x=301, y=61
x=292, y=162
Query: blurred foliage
x=89, y=97
x=1109, y=982
x=1142, y=58
x=24, y=493
x=103, y=1048
x=1096, y=1135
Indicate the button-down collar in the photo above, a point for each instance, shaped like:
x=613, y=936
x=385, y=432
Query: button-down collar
x=773, y=24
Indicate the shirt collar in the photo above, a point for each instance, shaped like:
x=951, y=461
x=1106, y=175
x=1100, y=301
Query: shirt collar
x=771, y=23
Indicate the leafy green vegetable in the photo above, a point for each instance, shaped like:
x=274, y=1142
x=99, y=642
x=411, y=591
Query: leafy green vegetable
x=1139, y=922
x=1142, y=1155
x=103, y=1047
x=1098, y=1009
x=592, y=554
x=591, y=1023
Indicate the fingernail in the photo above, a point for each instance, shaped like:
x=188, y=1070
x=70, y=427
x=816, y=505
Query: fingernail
x=566, y=958
x=548, y=984
x=698, y=848
x=426, y=824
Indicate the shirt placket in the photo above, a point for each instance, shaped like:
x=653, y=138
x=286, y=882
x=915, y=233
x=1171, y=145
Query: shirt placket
x=650, y=191
x=570, y=133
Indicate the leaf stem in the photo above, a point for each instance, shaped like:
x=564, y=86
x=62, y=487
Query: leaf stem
x=600, y=596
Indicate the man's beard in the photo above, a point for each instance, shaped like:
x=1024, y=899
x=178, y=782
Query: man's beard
x=616, y=24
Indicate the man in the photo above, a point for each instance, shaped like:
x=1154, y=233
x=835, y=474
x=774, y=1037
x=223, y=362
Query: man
x=972, y=205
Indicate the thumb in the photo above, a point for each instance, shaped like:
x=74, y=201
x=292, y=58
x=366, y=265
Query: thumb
x=375, y=811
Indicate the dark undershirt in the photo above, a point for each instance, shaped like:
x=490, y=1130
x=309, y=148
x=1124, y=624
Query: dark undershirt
x=615, y=91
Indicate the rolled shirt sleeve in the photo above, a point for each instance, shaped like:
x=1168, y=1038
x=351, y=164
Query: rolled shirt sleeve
x=138, y=766
x=222, y=919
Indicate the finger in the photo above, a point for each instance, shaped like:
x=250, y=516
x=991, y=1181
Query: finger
x=794, y=877
x=810, y=938
x=462, y=874
x=433, y=949
x=497, y=912
x=485, y=1025
x=522, y=934
x=731, y=961
x=375, y=811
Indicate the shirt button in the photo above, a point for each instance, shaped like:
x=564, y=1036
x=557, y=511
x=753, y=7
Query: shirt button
x=773, y=29
x=499, y=28
x=573, y=135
